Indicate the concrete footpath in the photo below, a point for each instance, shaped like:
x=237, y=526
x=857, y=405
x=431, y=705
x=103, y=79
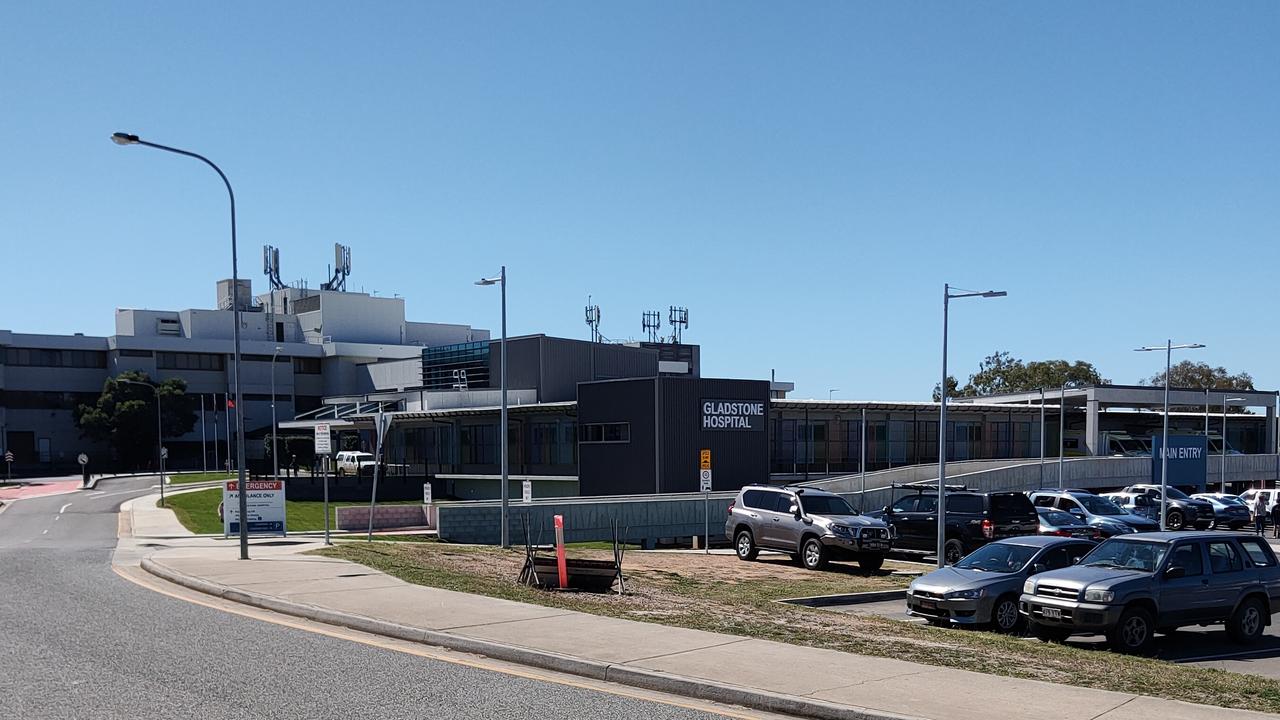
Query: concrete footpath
x=759, y=674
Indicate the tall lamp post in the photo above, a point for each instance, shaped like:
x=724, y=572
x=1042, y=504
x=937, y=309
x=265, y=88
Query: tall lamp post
x=501, y=280
x=275, y=454
x=159, y=430
x=832, y=392
x=947, y=297
x=1225, y=400
x=128, y=139
x=1168, y=349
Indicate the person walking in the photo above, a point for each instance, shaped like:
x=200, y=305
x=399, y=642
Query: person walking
x=1275, y=520
x=1260, y=513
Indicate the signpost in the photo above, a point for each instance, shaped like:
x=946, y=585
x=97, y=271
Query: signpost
x=83, y=459
x=8, y=459
x=323, y=448
x=264, y=507
x=704, y=484
x=426, y=493
x=526, y=492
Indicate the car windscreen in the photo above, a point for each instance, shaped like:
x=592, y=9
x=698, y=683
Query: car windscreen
x=1099, y=505
x=1230, y=500
x=1057, y=518
x=1011, y=503
x=998, y=557
x=1176, y=494
x=1127, y=554
x=826, y=505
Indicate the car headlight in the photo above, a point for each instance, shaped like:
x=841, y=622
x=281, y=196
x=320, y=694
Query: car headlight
x=1029, y=587
x=842, y=530
x=965, y=594
x=1099, y=596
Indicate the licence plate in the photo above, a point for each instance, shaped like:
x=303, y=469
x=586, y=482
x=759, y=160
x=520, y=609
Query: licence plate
x=875, y=545
x=929, y=604
x=1052, y=613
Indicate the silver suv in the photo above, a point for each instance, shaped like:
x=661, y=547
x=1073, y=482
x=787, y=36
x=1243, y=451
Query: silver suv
x=813, y=526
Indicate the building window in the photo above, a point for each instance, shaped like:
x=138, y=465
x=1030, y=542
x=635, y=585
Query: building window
x=38, y=357
x=125, y=352
x=188, y=361
x=478, y=443
x=45, y=399
x=306, y=403
x=463, y=364
x=604, y=433
x=306, y=365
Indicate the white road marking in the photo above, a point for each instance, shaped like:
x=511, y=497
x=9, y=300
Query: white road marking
x=64, y=508
x=44, y=532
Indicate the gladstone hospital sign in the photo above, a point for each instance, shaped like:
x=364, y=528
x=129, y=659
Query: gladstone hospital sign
x=733, y=415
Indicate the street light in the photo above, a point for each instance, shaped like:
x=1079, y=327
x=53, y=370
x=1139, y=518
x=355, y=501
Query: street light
x=275, y=454
x=159, y=431
x=831, y=392
x=1225, y=400
x=128, y=139
x=501, y=279
x=1168, y=349
x=947, y=297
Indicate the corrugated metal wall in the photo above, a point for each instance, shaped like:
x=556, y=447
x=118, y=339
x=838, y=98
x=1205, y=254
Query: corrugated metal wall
x=738, y=457
x=618, y=468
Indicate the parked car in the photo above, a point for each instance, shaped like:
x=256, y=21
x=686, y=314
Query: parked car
x=1248, y=496
x=1064, y=524
x=352, y=462
x=1182, y=511
x=983, y=588
x=973, y=519
x=1095, y=510
x=1136, y=504
x=1229, y=511
x=812, y=525
x=1134, y=586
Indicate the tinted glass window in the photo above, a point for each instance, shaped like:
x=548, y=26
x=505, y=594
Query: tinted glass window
x=825, y=505
x=906, y=504
x=1010, y=503
x=1057, y=518
x=1258, y=552
x=1067, y=504
x=1188, y=558
x=965, y=503
x=998, y=557
x=928, y=503
x=757, y=499
x=1099, y=505
x=783, y=502
x=1076, y=551
x=1044, y=501
x=1129, y=554
x=1223, y=558
x=1056, y=559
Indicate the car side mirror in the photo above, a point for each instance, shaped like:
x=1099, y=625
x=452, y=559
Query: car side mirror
x=1077, y=512
x=1038, y=568
x=1174, y=572
x=887, y=510
x=795, y=510
x=1076, y=561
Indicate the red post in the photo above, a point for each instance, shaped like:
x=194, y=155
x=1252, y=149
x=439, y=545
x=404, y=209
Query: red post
x=560, y=565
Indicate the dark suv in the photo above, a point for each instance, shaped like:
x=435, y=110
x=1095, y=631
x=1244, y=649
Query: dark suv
x=1133, y=586
x=973, y=519
x=1184, y=511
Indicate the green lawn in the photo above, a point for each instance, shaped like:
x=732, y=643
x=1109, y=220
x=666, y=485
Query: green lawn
x=198, y=511
x=186, y=478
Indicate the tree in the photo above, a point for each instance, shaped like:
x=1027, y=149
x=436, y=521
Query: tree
x=1000, y=372
x=1188, y=374
x=124, y=416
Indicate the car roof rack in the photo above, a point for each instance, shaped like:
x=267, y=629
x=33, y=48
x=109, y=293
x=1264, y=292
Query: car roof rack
x=933, y=487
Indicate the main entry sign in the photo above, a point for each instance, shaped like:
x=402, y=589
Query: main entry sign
x=733, y=415
x=1188, y=460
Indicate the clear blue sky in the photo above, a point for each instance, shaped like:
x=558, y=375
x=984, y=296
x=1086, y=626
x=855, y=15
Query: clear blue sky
x=804, y=177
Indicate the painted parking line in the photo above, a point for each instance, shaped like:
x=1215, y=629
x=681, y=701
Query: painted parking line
x=64, y=508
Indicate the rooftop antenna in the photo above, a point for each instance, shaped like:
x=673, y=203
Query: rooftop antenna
x=651, y=323
x=271, y=266
x=679, y=319
x=593, y=319
x=341, y=268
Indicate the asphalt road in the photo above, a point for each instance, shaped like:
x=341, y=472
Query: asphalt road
x=1208, y=647
x=79, y=641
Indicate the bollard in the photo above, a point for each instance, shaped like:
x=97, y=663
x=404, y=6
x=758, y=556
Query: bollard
x=560, y=563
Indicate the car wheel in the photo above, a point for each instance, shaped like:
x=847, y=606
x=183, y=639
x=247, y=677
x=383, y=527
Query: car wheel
x=1174, y=520
x=870, y=563
x=745, y=545
x=1247, y=622
x=1049, y=633
x=1005, y=617
x=953, y=551
x=1133, y=633
x=813, y=554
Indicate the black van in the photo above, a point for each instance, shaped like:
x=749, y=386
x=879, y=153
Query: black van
x=973, y=519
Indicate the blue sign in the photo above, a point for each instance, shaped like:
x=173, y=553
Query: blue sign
x=257, y=527
x=1188, y=460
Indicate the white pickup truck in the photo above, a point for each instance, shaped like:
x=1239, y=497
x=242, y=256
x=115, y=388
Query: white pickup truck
x=352, y=462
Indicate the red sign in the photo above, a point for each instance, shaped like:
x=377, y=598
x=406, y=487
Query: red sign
x=234, y=485
x=231, y=404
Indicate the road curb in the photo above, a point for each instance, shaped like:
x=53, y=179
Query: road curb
x=622, y=674
x=818, y=601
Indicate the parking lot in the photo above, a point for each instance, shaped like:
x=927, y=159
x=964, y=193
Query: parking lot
x=1205, y=647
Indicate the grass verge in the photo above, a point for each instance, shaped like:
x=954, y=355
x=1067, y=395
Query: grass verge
x=187, y=478
x=198, y=511
x=721, y=594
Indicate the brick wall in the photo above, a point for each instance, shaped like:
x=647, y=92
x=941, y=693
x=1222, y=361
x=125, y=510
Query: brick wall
x=356, y=517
